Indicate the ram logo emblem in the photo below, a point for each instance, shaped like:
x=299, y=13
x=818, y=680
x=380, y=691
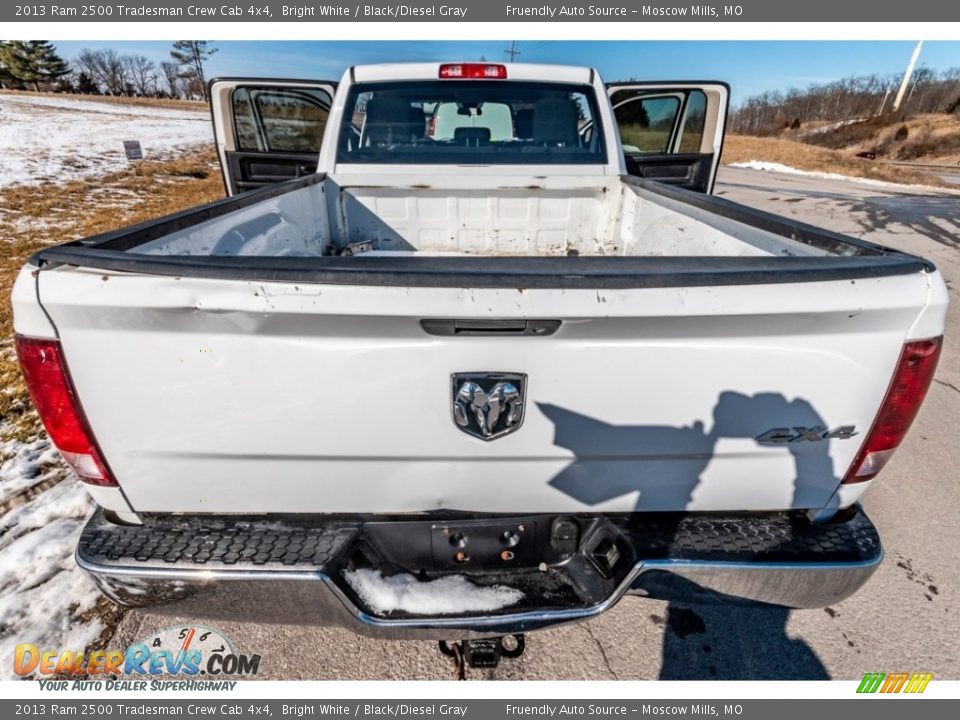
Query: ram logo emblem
x=488, y=405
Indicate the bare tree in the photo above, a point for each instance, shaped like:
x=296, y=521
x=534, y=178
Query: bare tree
x=106, y=69
x=191, y=55
x=141, y=74
x=193, y=88
x=87, y=62
x=171, y=74
x=852, y=98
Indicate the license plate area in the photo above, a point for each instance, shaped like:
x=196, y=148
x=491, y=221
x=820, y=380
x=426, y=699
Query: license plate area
x=556, y=562
x=485, y=544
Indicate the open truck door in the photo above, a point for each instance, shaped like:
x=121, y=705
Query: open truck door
x=672, y=132
x=268, y=131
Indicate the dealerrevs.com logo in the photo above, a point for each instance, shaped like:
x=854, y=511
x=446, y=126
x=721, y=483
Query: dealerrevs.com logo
x=183, y=652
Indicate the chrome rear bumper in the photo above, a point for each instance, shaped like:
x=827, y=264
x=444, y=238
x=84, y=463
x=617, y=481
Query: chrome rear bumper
x=776, y=560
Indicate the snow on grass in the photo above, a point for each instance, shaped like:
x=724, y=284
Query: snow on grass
x=62, y=138
x=830, y=127
x=765, y=166
x=448, y=595
x=26, y=465
x=87, y=106
x=43, y=593
x=66, y=499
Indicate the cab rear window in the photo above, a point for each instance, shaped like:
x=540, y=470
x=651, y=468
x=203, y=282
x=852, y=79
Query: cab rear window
x=473, y=122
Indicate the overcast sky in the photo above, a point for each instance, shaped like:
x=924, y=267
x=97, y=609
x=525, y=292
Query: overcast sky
x=750, y=67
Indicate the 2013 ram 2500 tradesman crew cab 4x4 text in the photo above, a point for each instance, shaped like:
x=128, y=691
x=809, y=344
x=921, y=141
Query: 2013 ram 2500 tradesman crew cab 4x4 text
x=471, y=350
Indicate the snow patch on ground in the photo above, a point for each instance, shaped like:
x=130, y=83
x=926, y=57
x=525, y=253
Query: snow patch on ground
x=62, y=138
x=14, y=222
x=42, y=591
x=67, y=499
x=831, y=127
x=444, y=596
x=86, y=106
x=26, y=465
x=765, y=166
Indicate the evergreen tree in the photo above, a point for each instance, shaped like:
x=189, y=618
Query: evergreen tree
x=7, y=78
x=86, y=85
x=52, y=66
x=190, y=55
x=32, y=61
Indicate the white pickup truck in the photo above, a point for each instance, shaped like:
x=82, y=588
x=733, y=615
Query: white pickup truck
x=495, y=361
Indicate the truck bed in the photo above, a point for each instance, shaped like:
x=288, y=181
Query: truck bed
x=535, y=216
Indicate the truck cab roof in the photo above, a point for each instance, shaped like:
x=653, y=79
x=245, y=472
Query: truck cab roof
x=431, y=71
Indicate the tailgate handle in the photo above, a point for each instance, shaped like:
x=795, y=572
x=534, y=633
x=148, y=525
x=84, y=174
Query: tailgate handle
x=489, y=328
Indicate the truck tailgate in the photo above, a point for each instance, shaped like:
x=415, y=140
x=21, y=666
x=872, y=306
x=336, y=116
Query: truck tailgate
x=254, y=397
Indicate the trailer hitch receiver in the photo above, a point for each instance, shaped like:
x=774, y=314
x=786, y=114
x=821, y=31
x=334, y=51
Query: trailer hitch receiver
x=483, y=652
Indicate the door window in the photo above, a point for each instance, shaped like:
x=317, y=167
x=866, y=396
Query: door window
x=694, y=119
x=647, y=123
x=280, y=120
x=656, y=122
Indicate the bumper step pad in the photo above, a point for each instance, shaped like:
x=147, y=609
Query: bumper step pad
x=781, y=537
x=207, y=544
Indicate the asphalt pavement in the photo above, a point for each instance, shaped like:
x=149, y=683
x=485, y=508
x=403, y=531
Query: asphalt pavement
x=907, y=618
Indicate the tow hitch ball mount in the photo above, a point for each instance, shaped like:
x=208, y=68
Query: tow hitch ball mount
x=483, y=653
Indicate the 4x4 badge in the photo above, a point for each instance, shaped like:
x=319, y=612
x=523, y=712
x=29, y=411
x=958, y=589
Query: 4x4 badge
x=782, y=436
x=488, y=405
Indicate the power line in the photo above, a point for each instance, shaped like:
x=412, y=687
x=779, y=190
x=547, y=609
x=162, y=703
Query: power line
x=513, y=52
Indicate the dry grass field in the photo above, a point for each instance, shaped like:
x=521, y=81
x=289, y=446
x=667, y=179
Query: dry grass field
x=922, y=138
x=170, y=103
x=744, y=148
x=33, y=217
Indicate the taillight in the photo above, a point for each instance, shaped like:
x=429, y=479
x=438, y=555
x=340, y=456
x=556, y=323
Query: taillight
x=911, y=379
x=474, y=71
x=55, y=398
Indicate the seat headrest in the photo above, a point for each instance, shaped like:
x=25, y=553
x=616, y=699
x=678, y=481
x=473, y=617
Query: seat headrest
x=418, y=122
x=472, y=135
x=555, y=122
x=388, y=120
x=523, y=124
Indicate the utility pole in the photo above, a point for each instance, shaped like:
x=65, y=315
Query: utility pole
x=906, y=76
x=513, y=52
x=884, y=103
